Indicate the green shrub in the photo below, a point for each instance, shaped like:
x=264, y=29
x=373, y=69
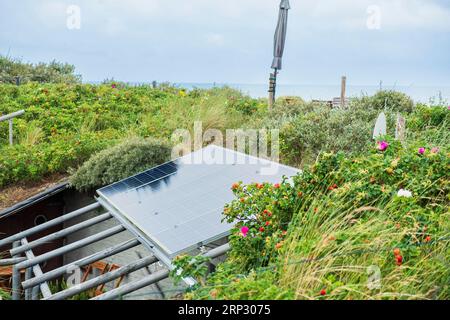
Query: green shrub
x=53, y=72
x=387, y=99
x=119, y=162
x=326, y=130
x=290, y=107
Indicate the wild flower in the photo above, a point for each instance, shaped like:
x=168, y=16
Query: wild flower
x=244, y=231
x=382, y=145
x=404, y=193
x=435, y=150
x=421, y=150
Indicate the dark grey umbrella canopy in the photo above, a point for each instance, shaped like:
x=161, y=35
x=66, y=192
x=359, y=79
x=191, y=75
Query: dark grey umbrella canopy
x=280, y=35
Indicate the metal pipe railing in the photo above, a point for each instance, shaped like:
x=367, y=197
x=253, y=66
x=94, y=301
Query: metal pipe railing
x=105, y=278
x=45, y=289
x=12, y=261
x=9, y=118
x=49, y=224
x=60, y=234
x=71, y=247
x=53, y=274
x=157, y=276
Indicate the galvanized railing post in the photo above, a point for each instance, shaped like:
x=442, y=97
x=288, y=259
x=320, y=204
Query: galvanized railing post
x=9, y=118
x=28, y=275
x=10, y=131
x=15, y=282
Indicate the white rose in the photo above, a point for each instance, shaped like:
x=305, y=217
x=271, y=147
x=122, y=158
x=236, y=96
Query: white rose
x=404, y=193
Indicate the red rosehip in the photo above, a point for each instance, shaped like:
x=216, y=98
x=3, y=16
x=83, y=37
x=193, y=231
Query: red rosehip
x=261, y=229
x=397, y=252
x=267, y=223
x=323, y=292
x=235, y=186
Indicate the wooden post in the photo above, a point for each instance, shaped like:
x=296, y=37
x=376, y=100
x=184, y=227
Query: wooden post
x=343, y=89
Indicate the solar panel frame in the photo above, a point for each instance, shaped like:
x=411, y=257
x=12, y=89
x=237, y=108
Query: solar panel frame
x=127, y=191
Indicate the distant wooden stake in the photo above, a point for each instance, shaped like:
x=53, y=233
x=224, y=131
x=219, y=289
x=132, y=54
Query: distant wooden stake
x=343, y=89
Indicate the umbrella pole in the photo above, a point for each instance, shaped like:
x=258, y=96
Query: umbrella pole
x=272, y=88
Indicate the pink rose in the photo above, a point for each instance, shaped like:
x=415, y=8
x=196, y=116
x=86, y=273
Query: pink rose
x=244, y=231
x=382, y=145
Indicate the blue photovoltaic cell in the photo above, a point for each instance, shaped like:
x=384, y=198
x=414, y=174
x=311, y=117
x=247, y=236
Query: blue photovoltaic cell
x=178, y=205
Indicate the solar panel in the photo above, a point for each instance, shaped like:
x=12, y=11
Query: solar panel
x=178, y=206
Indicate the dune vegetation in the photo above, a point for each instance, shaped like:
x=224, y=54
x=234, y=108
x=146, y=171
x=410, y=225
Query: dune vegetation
x=364, y=220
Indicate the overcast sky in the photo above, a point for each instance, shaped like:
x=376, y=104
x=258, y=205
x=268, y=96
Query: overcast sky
x=404, y=42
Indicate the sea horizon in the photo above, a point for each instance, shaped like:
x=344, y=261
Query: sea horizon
x=419, y=93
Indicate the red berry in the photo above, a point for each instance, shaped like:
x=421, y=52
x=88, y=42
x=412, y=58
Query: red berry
x=267, y=223
x=397, y=252
x=261, y=229
x=266, y=211
x=235, y=186
x=323, y=292
x=276, y=186
x=428, y=239
x=259, y=186
x=300, y=194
